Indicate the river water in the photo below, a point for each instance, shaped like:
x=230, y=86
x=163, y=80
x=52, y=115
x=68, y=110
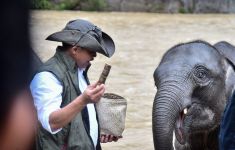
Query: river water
x=141, y=39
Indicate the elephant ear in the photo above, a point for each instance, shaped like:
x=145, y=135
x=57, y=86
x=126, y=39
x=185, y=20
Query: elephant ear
x=227, y=50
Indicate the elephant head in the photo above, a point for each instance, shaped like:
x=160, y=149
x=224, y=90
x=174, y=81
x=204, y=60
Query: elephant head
x=193, y=82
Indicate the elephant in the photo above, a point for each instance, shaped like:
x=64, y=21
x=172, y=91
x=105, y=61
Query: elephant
x=194, y=80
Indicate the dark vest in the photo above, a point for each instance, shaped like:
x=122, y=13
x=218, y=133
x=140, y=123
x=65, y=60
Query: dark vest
x=74, y=136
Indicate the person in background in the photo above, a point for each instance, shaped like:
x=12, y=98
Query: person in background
x=227, y=127
x=62, y=94
x=17, y=114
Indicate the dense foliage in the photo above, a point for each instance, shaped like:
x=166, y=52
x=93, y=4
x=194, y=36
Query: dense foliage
x=90, y=5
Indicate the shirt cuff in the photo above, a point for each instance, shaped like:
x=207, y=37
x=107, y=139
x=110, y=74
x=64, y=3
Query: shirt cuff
x=46, y=124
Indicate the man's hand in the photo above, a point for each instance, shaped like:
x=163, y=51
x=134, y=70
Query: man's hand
x=93, y=93
x=109, y=138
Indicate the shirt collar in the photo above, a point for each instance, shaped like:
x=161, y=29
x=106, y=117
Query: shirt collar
x=81, y=69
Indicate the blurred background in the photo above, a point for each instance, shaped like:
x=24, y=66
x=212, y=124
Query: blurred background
x=143, y=30
x=160, y=6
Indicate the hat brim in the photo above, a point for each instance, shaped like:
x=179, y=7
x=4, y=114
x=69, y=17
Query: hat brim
x=74, y=37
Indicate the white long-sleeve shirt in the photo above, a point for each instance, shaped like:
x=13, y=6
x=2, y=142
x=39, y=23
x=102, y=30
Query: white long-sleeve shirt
x=47, y=90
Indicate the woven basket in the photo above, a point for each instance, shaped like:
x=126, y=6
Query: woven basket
x=111, y=110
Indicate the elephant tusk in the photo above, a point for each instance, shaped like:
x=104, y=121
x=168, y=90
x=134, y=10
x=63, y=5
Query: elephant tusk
x=185, y=111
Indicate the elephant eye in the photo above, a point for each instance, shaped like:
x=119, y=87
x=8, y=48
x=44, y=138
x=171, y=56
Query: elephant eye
x=201, y=73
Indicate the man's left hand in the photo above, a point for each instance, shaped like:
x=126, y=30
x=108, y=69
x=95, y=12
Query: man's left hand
x=109, y=138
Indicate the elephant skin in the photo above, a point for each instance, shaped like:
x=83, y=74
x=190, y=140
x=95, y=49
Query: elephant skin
x=194, y=81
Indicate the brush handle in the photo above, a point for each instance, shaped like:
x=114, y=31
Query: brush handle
x=104, y=74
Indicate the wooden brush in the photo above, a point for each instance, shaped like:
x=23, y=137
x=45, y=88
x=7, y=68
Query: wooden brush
x=104, y=74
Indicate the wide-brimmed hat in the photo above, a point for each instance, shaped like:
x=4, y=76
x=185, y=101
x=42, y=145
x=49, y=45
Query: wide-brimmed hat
x=86, y=35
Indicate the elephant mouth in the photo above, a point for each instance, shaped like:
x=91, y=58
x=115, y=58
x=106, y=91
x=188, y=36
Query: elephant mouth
x=179, y=130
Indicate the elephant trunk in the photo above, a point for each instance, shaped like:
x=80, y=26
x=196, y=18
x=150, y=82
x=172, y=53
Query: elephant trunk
x=166, y=108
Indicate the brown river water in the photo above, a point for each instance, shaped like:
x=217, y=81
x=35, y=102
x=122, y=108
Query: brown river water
x=141, y=39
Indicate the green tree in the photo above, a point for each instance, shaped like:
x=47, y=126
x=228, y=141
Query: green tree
x=41, y=4
x=93, y=5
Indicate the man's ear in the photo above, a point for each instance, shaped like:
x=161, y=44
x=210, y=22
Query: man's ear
x=74, y=50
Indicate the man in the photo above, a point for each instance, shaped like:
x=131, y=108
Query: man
x=62, y=95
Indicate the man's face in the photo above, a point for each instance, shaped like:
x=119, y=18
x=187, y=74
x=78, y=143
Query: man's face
x=83, y=57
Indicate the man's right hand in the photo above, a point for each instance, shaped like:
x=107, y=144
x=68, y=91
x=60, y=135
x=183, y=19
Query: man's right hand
x=93, y=93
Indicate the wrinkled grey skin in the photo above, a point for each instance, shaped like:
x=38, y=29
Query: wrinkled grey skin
x=195, y=76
